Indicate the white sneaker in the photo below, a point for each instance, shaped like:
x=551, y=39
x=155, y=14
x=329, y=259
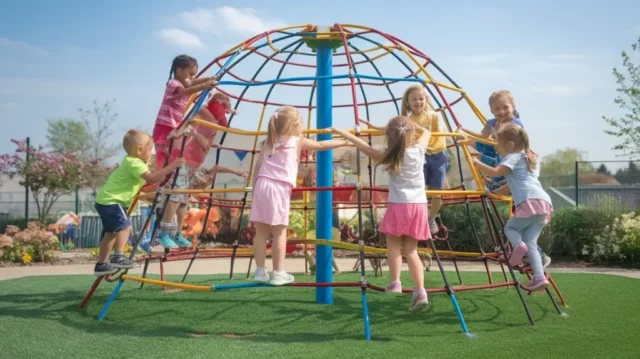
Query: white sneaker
x=281, y=278
x=261, y=275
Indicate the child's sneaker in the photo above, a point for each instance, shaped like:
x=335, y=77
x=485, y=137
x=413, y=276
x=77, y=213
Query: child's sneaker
x=166, y=241
x=146, y=246
x=181, y=241
x=261, y=275
x=395, y=287
x=281, y=278
x=103, y=269
x=517, y=255
x=537, y=283
x=120, y=261
x=546, y=260
x=419, y=301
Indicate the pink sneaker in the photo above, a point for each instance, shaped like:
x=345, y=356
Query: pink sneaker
x=537, y=283
x=419, y=301
x=517, y=255
x=395, y=287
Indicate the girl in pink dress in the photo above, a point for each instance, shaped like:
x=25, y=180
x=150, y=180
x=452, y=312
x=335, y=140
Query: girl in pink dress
x=405, y=221
x=274, y=178
x=533, y=205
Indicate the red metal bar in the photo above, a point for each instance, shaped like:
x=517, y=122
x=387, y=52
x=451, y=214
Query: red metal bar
x=89, y=294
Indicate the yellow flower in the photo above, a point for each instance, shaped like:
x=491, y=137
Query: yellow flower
x=26, y=258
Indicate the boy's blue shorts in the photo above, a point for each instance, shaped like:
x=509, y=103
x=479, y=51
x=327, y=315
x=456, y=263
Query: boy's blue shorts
x=114, y=218
x=489, y=157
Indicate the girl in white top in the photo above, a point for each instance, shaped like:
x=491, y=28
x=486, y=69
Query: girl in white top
x=405, y=221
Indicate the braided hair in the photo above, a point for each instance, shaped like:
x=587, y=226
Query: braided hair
x=181, y=62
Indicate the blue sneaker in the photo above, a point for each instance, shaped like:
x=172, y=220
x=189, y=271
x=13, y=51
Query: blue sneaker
x=181, y=241
x=146, y=245
x=166, y=241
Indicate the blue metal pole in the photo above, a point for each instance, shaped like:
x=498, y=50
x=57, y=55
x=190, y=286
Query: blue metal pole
x=324, y=174
x=112, y=297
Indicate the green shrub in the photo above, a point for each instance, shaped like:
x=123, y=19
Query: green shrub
x=571, y=230
x=618, y=243
x=459, y=223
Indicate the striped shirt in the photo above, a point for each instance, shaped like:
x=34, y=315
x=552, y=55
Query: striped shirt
x=173, y=105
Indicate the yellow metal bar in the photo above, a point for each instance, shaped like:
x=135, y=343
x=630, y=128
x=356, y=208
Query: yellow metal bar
x=202, y=288
x=475, y=108
x=474, y=170
x=308, y=131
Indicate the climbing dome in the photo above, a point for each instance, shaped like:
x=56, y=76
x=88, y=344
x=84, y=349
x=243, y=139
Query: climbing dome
x=334, y=76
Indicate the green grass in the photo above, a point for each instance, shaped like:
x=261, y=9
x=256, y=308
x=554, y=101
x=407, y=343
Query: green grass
x=39, y=318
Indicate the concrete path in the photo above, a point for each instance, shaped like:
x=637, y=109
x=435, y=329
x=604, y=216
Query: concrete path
x=221, y=266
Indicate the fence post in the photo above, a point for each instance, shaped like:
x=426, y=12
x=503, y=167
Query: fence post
x=77, y=201
x=26, y=186
x=576, y=184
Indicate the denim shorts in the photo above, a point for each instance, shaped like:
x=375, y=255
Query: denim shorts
x=435, y=169
x=114, y=217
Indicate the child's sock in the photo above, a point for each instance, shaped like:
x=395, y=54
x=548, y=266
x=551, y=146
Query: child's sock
x=117, y=254
x=174, y=229
x=165, y=228
x=417, y=292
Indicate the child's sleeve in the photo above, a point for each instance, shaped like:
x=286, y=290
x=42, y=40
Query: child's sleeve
x=510, y=161
x=172, y=89
x=138, y=168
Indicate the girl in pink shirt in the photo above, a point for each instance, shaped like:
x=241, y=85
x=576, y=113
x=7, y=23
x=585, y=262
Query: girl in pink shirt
x=274, y=178
x=174, y=102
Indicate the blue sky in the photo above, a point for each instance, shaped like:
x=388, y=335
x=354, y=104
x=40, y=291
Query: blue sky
x=555, y=56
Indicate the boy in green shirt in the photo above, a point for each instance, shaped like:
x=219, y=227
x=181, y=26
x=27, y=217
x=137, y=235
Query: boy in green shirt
x=117, y=195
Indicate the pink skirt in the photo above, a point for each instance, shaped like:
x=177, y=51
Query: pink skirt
x=271, y=200
x=534, y=207
x=406, y=219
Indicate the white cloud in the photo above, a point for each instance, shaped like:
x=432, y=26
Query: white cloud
x=636, y=29
x=181, y=38
x=36, y=88
x=560, y=90
x=201, y=20
x=228, y=19
x=22, y=46
x=487, y=71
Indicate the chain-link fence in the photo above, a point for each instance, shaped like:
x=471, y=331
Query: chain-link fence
x=608, y=186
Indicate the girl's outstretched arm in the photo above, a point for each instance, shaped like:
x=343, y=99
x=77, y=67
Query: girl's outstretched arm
x=379, y=128
x=307, y=144
x=222, y=169
x=363, y=146
x=425, y=137
x=191, y=89
x=491, y=171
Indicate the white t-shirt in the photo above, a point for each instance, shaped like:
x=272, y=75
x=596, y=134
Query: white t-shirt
x=408, y=185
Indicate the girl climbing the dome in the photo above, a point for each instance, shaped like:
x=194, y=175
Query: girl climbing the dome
x=416, y=105
x=274, y=178
x=533, y=210
x=406, y=219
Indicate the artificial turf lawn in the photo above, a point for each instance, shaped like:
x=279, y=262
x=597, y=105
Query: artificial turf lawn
x=39, y=318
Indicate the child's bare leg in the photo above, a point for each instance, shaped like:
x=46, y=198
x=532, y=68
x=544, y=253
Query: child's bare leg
x=335, y=266
x=180, y=214
x=419, y=300
x=410, y=246
x=278, y=251
x=394, y=258
x=260, y=244
x=106, y=244
x=122, y=237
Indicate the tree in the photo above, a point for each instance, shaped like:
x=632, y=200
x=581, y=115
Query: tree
x=629, y=175
x=99, y=125
x=68, y=135
x=48, y=175
x=627, y=127
x=100, y=129
x=604, y=170
x=558, y=169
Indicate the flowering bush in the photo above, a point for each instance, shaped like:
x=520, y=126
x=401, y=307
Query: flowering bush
x=618, y=242
x=34, y=244
x=49, y=174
